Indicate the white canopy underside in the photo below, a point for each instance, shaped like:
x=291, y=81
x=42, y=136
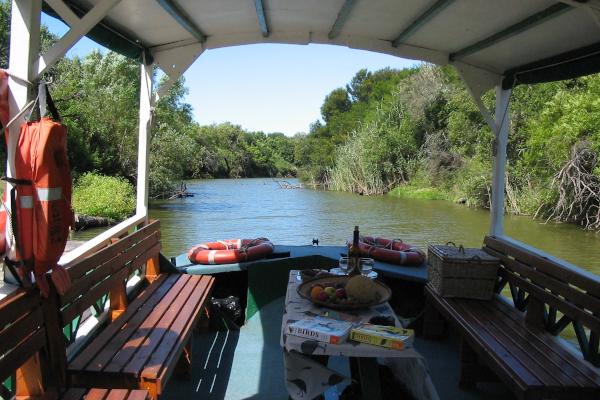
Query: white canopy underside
x=363, y=24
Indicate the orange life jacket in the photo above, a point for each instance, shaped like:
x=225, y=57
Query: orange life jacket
x=41, y=205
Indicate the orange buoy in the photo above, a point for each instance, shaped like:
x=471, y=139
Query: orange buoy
x=393, y=251
x=230, y=251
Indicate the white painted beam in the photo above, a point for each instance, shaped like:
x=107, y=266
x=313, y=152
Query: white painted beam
x=77, y=31
x=174, y=62
x=24, y=47
x=499, y=172
x=145, y=120
x=101, y=241
x=64, y=12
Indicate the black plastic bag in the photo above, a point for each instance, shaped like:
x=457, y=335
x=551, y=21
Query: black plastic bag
x=229, y=307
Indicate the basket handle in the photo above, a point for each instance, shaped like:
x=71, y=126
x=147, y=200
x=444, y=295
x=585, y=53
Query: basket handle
x=461, y=249
x=451, y=243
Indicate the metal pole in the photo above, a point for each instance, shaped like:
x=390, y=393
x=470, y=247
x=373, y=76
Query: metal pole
x=499, y=152
x=144, y=138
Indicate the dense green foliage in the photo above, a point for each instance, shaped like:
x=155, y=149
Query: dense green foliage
x=103, y=196
x=423, y=135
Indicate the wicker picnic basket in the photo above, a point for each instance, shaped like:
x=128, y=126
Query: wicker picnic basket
x=459, y=272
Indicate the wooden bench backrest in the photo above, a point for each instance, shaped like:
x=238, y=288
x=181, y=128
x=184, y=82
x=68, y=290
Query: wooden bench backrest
x=109, y=268
x=22, y=333
x=544, y=287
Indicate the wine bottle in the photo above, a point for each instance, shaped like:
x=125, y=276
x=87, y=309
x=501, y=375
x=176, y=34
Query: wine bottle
x=354, y=255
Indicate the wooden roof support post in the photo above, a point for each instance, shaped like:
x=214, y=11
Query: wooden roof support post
x=479, y=81
x=146, y=111
x=499, y=152
x=24, y=48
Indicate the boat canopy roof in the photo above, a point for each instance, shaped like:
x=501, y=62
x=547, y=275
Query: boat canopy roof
x=514, y=40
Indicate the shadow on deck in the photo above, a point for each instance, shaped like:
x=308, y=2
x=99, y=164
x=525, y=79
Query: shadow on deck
x=248, y=364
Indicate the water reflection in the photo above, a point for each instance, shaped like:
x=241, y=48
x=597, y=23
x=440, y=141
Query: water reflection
x=226, y=208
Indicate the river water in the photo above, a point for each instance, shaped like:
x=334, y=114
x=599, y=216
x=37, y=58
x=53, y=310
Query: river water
x=250, y=208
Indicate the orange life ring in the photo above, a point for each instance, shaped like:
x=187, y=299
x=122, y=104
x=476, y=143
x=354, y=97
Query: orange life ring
x=393, y=251
x=230, y=251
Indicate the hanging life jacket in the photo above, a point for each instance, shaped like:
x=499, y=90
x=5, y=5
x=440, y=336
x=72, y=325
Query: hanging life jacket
x=39, y=225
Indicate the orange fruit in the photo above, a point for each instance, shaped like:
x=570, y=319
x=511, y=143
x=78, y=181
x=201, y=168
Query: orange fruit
x=315, y=291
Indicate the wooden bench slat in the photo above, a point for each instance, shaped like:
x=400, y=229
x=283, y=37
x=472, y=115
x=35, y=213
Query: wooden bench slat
x=15, y=333
x=139, y=335
x=101, y=394
x=154, y=369
x=16, y=305
x=545, y=346
x=118, y=394
x=122, y=347
x=89, y=280
x=589, y=284
x=82, y=267
x=17, y=357
x=96, y=394
x=138, y=395
x=191, y=308
x=115, y=342
x=88, y=299
x=509, y=369
x=538, y=363
x=147, y=297
x=174, y=312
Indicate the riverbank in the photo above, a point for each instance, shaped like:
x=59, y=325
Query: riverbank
x=295, y=217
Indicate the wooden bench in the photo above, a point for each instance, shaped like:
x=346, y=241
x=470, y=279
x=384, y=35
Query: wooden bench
x=147, y=336
x=518, y=343
x=23, y=355
x=22, y=337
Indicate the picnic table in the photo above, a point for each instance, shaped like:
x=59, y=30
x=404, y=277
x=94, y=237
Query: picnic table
x=306, y=378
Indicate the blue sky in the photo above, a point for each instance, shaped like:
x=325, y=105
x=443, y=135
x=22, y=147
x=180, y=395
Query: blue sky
x=267, y=87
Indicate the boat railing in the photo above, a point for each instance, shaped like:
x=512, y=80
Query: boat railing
x=553, y=295
x=102, y=240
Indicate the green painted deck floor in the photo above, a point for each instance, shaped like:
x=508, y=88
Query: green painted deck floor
x=248, y=364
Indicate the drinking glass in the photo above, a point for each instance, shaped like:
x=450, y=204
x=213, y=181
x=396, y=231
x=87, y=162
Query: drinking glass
x=366, y=266
x=344, y=264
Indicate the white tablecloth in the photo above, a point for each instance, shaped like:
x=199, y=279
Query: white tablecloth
x=306, y=379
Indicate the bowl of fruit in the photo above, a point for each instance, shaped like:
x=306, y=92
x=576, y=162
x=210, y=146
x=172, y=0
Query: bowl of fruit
x=345, y=292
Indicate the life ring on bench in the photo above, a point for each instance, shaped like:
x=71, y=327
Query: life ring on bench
x=230, y=251
x=393, y=251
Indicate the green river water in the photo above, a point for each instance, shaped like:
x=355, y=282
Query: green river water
x=249, y=208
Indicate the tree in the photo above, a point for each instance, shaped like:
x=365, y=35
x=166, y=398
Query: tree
x=4, y=32
x=336, y=102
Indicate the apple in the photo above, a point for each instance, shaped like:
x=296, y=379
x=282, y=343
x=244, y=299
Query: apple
x=340, y=293
x=330, y=291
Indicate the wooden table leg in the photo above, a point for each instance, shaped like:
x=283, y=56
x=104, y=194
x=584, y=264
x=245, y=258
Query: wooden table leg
x=368, y=371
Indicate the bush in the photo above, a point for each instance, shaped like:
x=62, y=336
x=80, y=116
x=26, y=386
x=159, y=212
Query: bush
x=103, y=196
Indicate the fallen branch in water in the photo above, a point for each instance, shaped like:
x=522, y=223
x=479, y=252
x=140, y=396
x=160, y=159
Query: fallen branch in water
x=288, y=185
x=181, y=192
x=578, y=189
x=83, y=222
